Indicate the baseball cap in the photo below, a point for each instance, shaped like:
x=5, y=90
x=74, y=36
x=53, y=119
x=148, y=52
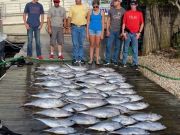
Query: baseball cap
x=133, y=2
x=56, y=1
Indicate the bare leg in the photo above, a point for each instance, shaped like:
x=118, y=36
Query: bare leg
x=59, y=50
x=97, y=41
x=91, y=52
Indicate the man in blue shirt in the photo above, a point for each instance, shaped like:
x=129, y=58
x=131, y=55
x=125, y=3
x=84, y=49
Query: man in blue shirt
x=33, y=25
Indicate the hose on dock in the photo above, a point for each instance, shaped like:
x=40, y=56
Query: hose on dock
x=2, y=63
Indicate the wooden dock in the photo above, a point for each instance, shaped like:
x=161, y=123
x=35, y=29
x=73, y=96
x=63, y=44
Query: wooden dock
x=17, y=85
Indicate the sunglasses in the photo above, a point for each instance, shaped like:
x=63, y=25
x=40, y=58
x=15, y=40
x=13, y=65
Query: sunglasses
x=95, y=6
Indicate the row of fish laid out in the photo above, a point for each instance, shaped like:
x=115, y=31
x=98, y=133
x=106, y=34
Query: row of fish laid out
x=98, y=99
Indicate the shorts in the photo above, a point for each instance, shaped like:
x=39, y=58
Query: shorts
x=95, y=32
x=57, y=36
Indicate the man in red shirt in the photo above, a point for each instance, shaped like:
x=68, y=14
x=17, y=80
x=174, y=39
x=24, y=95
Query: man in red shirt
x=132, y=27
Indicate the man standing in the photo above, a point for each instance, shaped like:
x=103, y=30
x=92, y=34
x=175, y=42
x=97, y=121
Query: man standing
x=113, y=31
x=77, y=18
x=56, y=19
x=33, y=25
x=133, y=24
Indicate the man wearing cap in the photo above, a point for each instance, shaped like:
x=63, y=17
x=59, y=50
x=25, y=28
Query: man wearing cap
x=33, y=25
x=114, y=23
x=132, y=27
x=55, y=20
x=77, y=20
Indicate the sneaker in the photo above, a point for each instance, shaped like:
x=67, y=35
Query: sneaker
x=136, y=67
x=123, y=65
x=61, y=57
x=106, y=63
x=51, y=56
x=74, y=62
x=40, y=58
x=115, y=64
x=82, y=61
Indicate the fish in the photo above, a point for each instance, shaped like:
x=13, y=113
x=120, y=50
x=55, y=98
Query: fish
x=61, y=130
x=124, y=120
x=106, y=87
x=48, y=95
x=48, y=78
x=117, y=100
x=111, y=93
x=46, y=73
x=106, y=126
x=56, y=122
x=46, y=103
x=67, y=75
x=121, y=108
x=82, y=78
x=83, y=119
x=117, y=76
x=58, y=89
x=102, y=112
x=90, y=103
x=106, y=74
x=74, y=93
x=63, y=70
x=72, y=86
x=48, y=67
x=150, y=126
x=54, y=112
x=77, y=68
x=126, y=91
x=125, y=85
x=87, y=90
x=131, y=131
x=116, y=81
x=146, y=116
x=92, y=95
x=133, y=98
x=95, y=81
x=135, y=105
x=74, y=107
x=79, y=74
x=106, y=69
x=95, y=71
x=49, y=83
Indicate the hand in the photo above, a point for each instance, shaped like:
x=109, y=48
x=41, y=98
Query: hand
x=27, y=26
x=107, y=33
x=102, y=36
x=124, y=35
x=49, y=30
x=87, y=37
x=138, y=35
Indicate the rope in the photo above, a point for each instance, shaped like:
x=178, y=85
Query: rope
x=159, y=74
x=57, y=60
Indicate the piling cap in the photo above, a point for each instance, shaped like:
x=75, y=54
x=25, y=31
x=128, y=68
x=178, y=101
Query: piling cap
x=133, y=2
x=56, y=1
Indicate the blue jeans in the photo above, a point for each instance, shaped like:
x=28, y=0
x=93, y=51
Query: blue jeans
x=113, y=38
x=78, y=37
x=36, y=32
x=131, y=37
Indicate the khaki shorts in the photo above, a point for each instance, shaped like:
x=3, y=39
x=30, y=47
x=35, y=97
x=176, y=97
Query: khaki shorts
x=57, y=36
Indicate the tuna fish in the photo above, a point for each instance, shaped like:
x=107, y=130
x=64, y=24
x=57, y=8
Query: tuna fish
x=125, y=91
x=46, y=103
x=125, y=86
x=63, y=70
x=109, y=74
x=58, y=89
x=83, y=119
x=146, y=116
x=55, y=112
x=125, y=120
x=75, y=107
x=131, y=131
x=90, y=103
x=95, y=71
x=74, y=93
x=151, y=126
x=95, y=81
x=121, y=108
x=49, y=83
x=106, y=126
x=56, y=122
x=117, y=100
x=48, y=95
x=77, y=68
x=106, y=69
x=135, y=105
x=102, y=112
x=106, y=87
x=61, y=130
x=86, y=90
x=67, y=75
